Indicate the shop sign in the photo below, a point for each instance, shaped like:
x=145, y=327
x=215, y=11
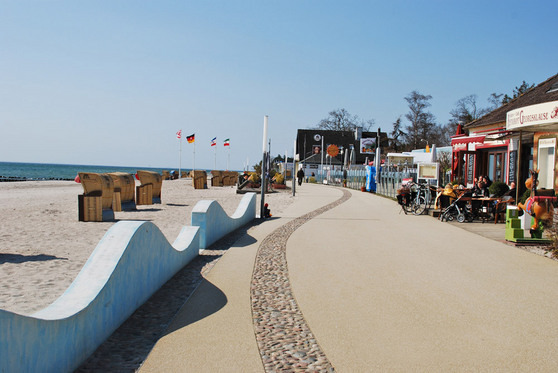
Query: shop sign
x=428, y=171
x=540, y=114
x=547, y=143
x=333, y=150
x=368, y=145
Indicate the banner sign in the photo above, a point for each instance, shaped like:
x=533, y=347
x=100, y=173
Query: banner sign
x=540, y=114
x=368, y=145
x=513, y=165
x=470, y=167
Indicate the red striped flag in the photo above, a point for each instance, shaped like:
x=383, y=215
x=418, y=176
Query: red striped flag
x=179, y=134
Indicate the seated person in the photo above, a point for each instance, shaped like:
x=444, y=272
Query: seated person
x=480, y=189
x=511, y=192
x=446, y=196
x=486, y=181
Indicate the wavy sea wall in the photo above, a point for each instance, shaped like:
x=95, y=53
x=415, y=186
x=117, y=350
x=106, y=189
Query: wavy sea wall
x=131, y=262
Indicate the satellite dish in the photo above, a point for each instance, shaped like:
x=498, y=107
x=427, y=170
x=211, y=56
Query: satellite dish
x=317, y=137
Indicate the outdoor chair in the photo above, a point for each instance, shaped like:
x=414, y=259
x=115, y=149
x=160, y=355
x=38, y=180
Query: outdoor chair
x=500, y=208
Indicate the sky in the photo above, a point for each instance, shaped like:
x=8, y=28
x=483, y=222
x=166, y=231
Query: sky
x=111, y=82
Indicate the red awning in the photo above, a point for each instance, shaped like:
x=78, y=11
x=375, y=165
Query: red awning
x=462, y=141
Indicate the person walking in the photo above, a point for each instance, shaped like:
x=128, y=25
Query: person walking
x=300, y=176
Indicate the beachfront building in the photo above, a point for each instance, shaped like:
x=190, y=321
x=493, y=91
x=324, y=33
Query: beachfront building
x=333, y=150
x=505, y=143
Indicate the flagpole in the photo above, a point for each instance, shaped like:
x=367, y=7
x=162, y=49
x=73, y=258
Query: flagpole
x=227, y=143
x=215, y=159
x=194, y=154
x=179, y=137
x=180, y=156
x=228, y=157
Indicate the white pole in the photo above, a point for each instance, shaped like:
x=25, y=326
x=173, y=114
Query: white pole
x=265, y=134
x=228, y=157
x=180, y=156
x=377, y=161
x=294, y=168
x=322, y=163
x=264, y=161
x=285, y=168
x=194, y=153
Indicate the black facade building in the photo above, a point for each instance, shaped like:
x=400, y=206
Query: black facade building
x=309, y=144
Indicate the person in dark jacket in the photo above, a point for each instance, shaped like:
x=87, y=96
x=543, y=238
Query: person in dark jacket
x=511, y=192
x=300, y=176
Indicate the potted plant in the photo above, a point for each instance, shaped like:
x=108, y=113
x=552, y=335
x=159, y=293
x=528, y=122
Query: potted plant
x=278, y=181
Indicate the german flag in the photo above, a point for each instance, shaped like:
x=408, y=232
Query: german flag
x=191, y=138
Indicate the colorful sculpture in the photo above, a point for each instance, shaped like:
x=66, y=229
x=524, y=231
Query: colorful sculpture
x=539, y=206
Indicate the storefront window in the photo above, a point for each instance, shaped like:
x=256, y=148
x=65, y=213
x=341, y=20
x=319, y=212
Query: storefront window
x=545, y=163
x=497, y=166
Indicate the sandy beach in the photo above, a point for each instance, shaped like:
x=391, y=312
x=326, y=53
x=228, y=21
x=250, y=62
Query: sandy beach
x=43, y=246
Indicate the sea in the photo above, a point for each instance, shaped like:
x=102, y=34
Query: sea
x=16, y=171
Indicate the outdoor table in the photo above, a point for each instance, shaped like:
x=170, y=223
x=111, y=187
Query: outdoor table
x=484, y=211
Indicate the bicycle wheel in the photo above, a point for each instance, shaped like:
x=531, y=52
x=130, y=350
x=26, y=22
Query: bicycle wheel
x=408, y=207
x=419, y=205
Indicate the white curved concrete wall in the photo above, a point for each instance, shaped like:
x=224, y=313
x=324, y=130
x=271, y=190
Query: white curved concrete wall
x=214, y=222
x=130, y=263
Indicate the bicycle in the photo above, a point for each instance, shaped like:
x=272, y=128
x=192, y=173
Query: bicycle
x=414, y=198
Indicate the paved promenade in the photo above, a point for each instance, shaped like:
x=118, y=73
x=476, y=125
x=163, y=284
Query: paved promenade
x=343, y=281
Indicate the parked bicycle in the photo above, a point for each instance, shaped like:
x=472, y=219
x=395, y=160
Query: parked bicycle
x=414, y=198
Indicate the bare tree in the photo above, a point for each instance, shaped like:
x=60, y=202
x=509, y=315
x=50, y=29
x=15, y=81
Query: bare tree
x=442, y=134
x=466, y=110
x=342, y=120
x=396, y=135
x=495, y=101
x=422, y=123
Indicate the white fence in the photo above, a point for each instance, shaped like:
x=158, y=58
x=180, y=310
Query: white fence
x=355, y=178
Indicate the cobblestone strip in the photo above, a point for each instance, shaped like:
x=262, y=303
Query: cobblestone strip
x=284, y=339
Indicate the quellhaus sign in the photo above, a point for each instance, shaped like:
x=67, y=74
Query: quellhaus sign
x=534, y=115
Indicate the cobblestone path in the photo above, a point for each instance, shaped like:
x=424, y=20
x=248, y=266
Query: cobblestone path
x=284, y=339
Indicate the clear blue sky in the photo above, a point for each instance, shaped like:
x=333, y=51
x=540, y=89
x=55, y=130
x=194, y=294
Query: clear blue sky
x=111, y=82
